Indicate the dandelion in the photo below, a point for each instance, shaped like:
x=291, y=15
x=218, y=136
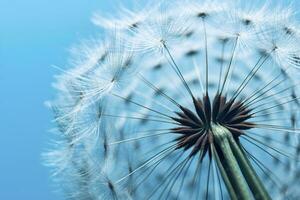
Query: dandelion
x=187, y=101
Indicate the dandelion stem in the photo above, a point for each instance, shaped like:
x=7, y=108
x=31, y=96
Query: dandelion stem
x=236, y=168
x=255, y=184
x=230, y=163
x=224, y=176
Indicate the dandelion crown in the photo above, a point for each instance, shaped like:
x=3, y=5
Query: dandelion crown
x=189, y=100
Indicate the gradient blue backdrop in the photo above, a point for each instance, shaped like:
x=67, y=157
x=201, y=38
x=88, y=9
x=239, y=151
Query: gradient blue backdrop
x=34, y=34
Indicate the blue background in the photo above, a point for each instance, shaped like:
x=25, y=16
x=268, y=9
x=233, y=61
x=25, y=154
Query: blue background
x=34, y=34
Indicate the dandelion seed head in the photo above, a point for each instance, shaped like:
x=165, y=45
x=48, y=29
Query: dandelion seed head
x=140, y=116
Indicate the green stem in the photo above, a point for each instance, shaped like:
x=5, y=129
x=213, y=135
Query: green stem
x=256, y=186
x=236, y=168
x=230, y=163
x=224, y=175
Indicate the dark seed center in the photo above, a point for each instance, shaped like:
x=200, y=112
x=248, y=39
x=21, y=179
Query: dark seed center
x=195, y=125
